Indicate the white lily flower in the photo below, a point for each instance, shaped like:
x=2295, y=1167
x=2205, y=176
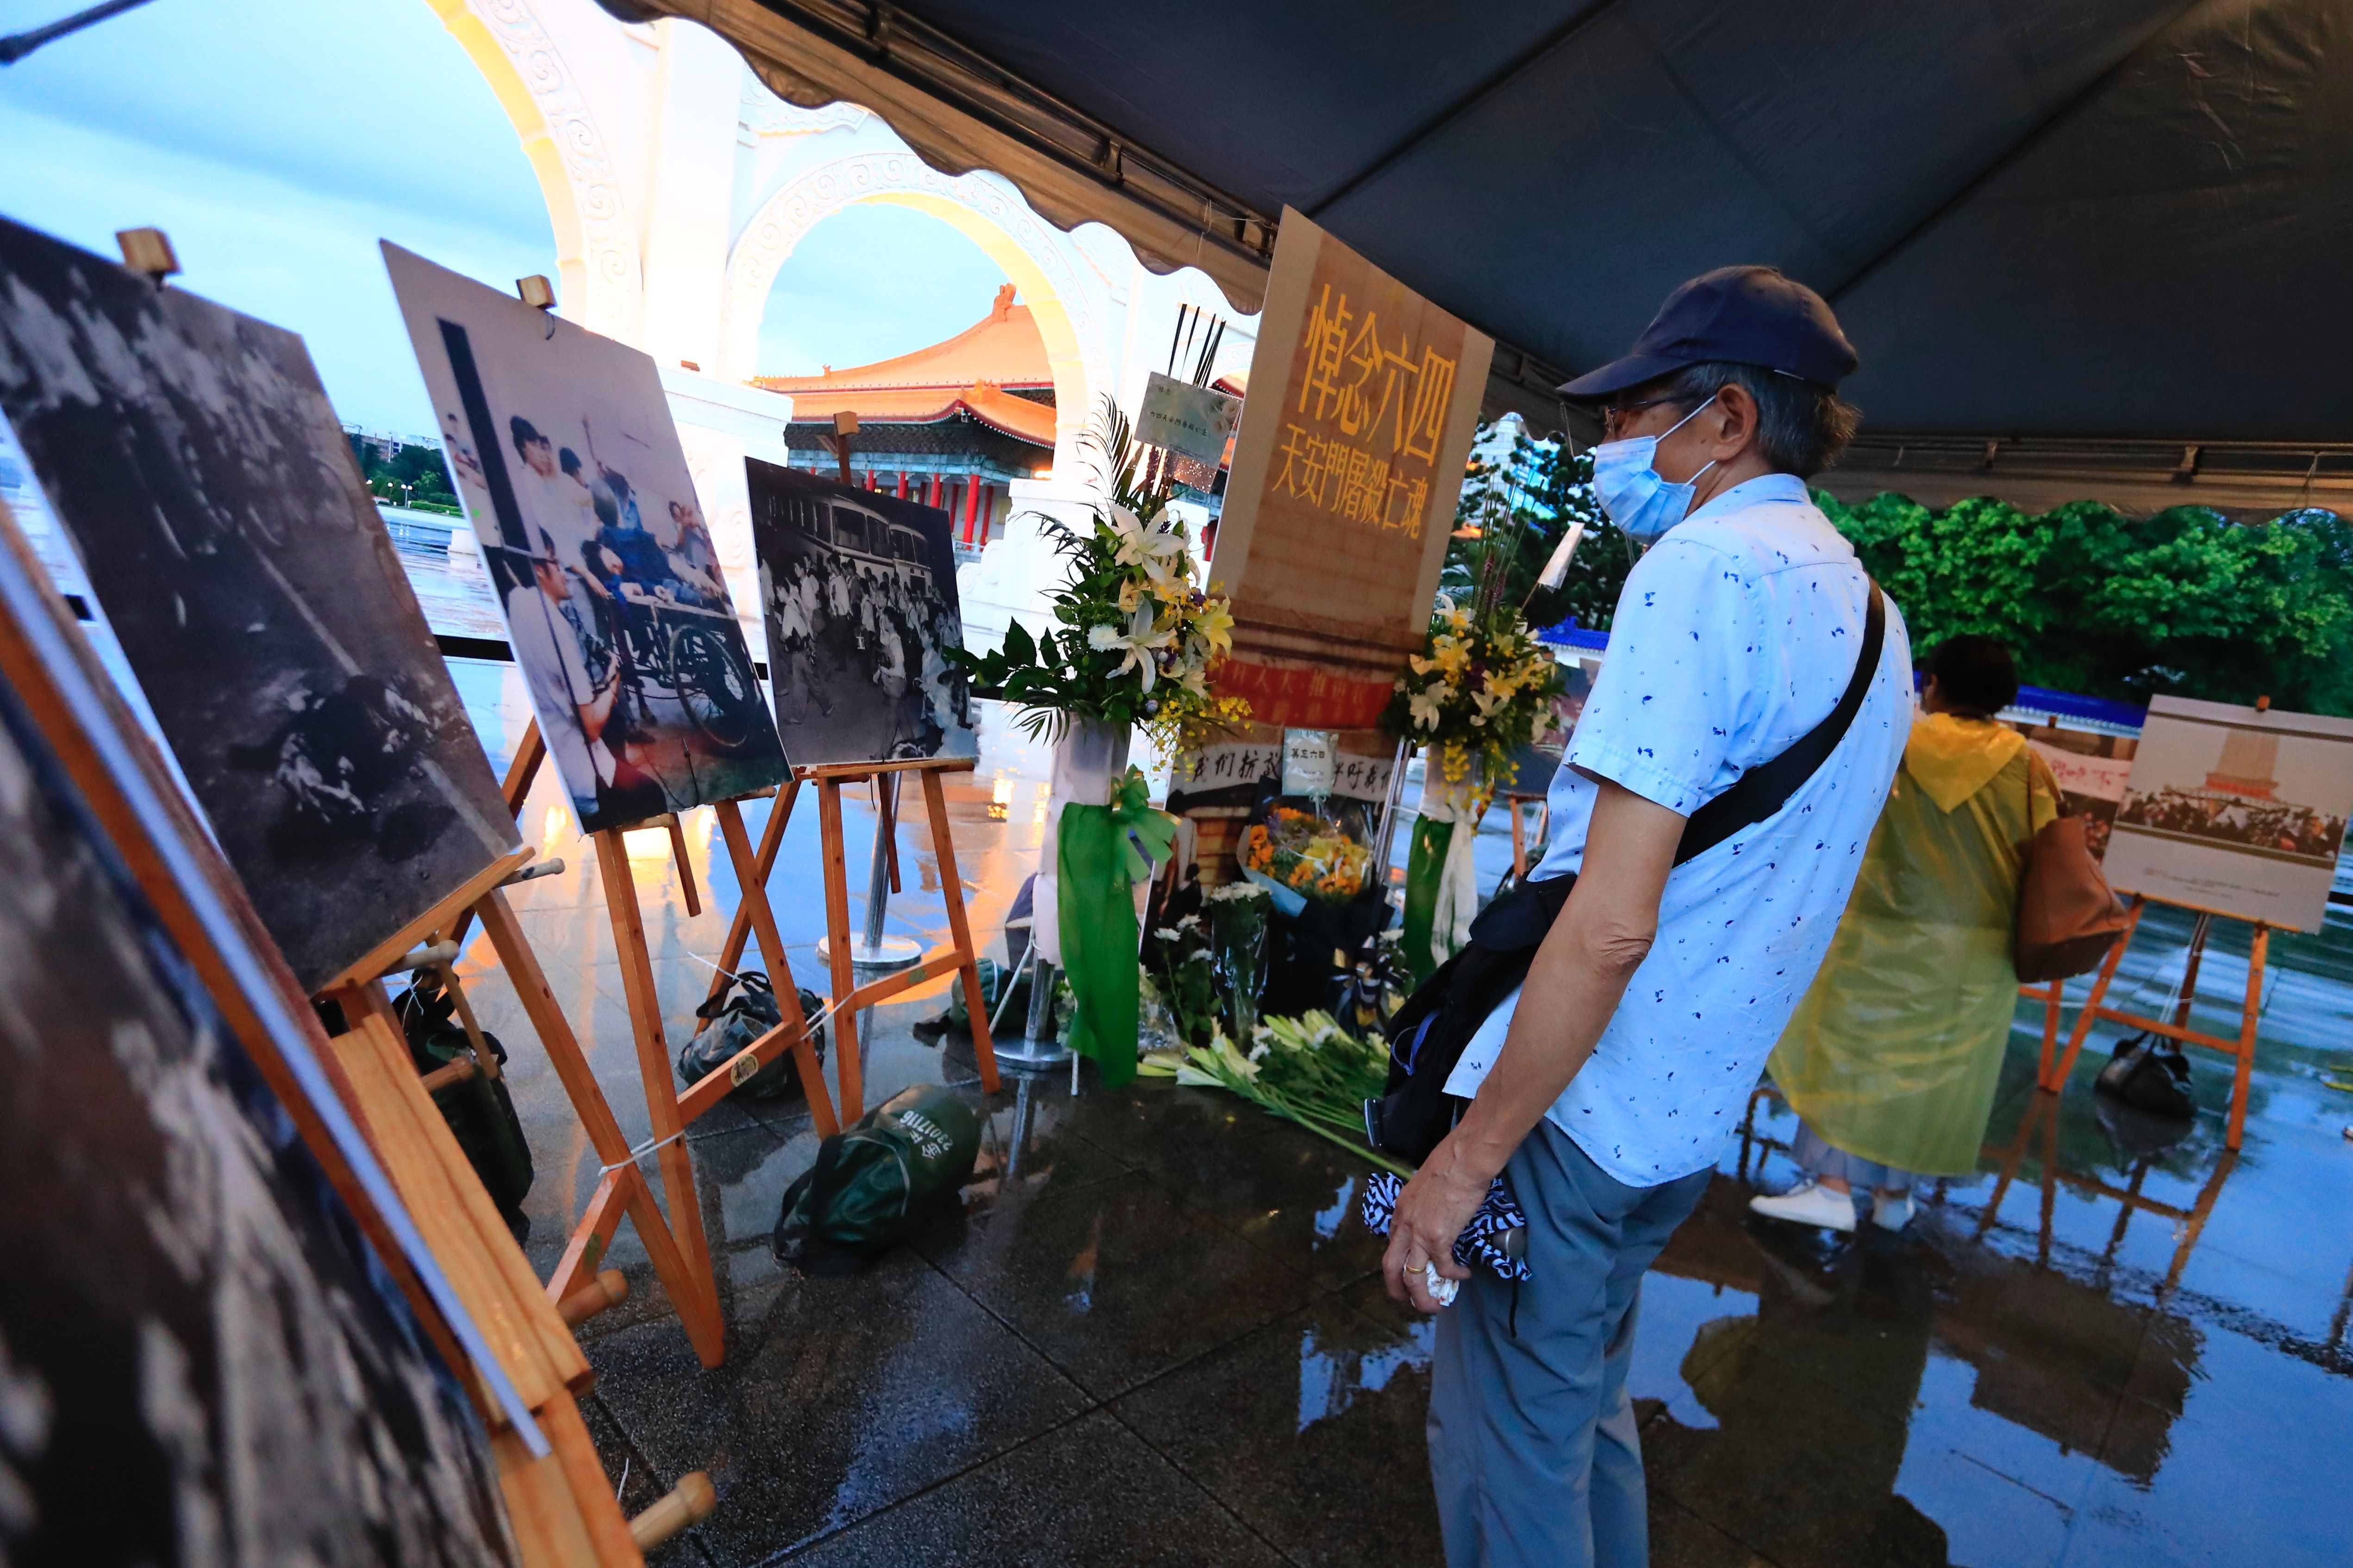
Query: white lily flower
x=1427, y=709
x=1141, y=641
x=1147, y=545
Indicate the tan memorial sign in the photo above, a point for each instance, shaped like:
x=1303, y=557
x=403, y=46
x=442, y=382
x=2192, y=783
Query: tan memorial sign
x=1363, y=402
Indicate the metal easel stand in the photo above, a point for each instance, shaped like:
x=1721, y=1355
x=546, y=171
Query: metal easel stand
x=1036, y=1049
x=874, y=951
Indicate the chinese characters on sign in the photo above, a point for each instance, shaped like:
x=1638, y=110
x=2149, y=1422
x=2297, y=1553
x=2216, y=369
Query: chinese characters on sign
x=1307, y=766
x=1364, y=435
x=1295, y=695
x=1342, y=493
x=1356, y=774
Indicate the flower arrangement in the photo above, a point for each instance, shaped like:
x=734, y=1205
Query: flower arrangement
x=1134, y=641
x=1307, y=1069
x=1307, y=854
x=1479, y=691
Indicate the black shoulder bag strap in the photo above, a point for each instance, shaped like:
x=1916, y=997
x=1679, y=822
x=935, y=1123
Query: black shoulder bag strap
x=1766, y=788
x=1428, y=1033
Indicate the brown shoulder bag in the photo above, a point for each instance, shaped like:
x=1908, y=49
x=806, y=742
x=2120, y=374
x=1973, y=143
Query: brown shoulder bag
x=2068, y=916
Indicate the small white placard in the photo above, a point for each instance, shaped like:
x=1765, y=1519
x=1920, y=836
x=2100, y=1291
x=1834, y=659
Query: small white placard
x=1308, y=763
x=1192, y=421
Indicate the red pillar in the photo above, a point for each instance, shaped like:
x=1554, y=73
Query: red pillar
x=972, y=488
x=931, y=490
x=902, y=492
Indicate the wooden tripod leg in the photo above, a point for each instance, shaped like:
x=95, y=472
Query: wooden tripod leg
x=521, y=772
x=847, y=1071
x=2249, y=1017
x=886, y=818
x=685, y=864
x=960, y=930
x=2028, y=1121
x=517, y=785
x=755, y=907
x=687, y=1290
x=661, y=1101
x=739, y=929
x=2091, y=1013
x=2050, y=1030
x=575, y=1452
x=2196, y=1223
x=2049, y=1185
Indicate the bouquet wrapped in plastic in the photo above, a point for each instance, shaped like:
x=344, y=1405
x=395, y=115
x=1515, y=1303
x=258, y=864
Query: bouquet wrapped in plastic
x=1304, y=856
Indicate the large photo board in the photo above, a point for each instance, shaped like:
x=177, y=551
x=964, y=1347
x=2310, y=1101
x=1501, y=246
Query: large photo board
x=192, y=456
x=201, y=1360
x=1363, y=400
x=858, y=592
x=2235, y=811
x=597, y=550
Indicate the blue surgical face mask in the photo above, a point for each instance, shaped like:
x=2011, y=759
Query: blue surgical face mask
x=1630, y=489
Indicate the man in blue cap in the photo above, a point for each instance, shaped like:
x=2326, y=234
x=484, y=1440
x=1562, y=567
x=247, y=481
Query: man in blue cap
x=1752, y=664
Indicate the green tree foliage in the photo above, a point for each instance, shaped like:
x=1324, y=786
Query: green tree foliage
x=414, y=476
x=2185, y=602
x=1523, y=498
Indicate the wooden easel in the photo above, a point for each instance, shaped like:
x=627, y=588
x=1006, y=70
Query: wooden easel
x=430, y=941
x=961, y=953
x=1514, y=801
x=559, y=1505
x=2243, y=1049
x=2043, y=1111
x=623, y=1191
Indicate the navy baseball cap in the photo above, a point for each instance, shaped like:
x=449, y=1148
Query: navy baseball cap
x=1743, y=315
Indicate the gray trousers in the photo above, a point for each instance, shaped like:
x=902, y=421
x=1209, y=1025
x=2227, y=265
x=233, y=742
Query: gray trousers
x=1532, y=1439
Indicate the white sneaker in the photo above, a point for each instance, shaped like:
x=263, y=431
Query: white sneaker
x=1891, y=1213
x=1810, y=1203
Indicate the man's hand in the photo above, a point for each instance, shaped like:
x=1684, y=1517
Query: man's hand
x=1573, y=986
x=1431, y=1212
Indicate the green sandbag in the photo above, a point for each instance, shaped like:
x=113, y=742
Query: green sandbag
x=875, y=1182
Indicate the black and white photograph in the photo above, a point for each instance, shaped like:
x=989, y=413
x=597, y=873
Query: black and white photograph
x=201, y=1360
x=192, y=457
x=597, y=550
x=858, y=593
x=2235, y=810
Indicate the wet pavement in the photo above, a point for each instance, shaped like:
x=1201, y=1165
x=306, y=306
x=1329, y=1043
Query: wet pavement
x=1151, y=1331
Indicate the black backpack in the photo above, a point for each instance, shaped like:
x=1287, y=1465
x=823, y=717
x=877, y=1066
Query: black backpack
x=2150, y=1075
x=481, y=1113
x=1414, y=1114
x=744, y=1009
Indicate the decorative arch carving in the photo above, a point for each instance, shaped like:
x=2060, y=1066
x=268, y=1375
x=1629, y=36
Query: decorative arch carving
x=991, y=213
x=595, y=242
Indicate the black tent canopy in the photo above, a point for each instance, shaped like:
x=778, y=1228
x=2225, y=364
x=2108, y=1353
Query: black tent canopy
x=2121, y=223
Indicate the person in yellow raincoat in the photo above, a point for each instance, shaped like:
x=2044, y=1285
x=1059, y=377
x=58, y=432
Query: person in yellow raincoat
x=1891, y=1058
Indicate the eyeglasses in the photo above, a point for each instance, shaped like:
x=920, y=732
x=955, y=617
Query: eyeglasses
x=1614, y=415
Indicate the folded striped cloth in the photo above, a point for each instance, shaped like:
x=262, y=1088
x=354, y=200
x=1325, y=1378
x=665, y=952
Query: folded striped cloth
x=1493, y=1239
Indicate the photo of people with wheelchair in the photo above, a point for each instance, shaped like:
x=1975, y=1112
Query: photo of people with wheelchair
x=618, y=614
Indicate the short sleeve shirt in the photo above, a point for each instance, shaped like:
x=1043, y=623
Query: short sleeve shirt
x=1735, y=634
x=547, y=649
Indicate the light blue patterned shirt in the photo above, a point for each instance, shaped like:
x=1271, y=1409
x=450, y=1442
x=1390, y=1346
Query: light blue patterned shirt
x=1735, y=634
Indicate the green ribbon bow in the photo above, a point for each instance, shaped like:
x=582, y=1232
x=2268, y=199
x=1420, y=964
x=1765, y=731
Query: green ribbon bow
x=1101, y=852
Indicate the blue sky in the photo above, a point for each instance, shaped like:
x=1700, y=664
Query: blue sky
x=276, y=141
x=870, y=282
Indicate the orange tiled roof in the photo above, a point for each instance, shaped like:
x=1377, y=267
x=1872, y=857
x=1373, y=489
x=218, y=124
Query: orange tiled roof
x=1002, y=349
x=999, y=409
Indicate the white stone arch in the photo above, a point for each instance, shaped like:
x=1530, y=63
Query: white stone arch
x=1030, y=251
x=597, y=246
